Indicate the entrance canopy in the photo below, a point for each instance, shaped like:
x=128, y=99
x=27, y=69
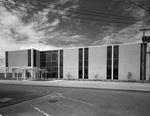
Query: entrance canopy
x=25, y=72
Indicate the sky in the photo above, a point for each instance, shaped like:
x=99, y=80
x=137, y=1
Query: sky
x=55, y=24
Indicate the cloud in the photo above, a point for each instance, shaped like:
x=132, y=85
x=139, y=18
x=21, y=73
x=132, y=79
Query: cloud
x=66, y=1
x=19, y=30
x=136, y=11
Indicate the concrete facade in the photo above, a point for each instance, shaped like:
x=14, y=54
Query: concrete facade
x=129, y=61
x=18, y=58
x=70, y=61
x=97, y=62
x=124, y=62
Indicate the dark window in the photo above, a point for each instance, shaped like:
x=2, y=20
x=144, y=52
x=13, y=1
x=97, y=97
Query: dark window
x=48, y=64
x=54, y=63
x=61, y=63
x=48, y=57
x=115, y=62
x=49, y=60
x=86, y=54
x=6, y=56
x=80, y=63
x=143, y=62
x=54, y=69
x=109, y=61
x=42, y=56
x=34, y=58
x=29, y=57
x=43, y=64
x=85, y=72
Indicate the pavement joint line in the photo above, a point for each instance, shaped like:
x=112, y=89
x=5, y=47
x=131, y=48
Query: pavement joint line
x=78, y=101
x=28, y=101
x=38, y=109
x=85, y=103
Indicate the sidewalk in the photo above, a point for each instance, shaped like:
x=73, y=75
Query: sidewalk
x=85, y=84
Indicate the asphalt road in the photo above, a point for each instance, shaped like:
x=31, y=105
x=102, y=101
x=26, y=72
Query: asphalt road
x=81, y=102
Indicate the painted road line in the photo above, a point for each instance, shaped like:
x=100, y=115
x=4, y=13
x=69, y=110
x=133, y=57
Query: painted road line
x=45, y=114
x=79, y=101
x=60, y=95
x=29, y=102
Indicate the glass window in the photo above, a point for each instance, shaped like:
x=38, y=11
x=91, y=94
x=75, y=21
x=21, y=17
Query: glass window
x=85, y=70
x=80, y=63
x=6, y=59
x=85, y=63
x=86, y=51
x=109, y=62
x=80, y=69
x=80, y=54
x=109, y=52
x=61, y=63
x=116, y=51
x=48, y=57
x=29, y=57
x=54, y=63
x=43, y=64
x=34, y=58
x=115, y=62
x=42, y=56
x=54, y=69
x=86, y=57
x=48, y=64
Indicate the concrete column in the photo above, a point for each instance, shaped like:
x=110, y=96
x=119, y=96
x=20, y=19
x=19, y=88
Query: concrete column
x=46, y=74
x=112, y=67
x=22, y=73
x=13, y=73
x=83, y=65
x=32, y=74
x=5, y=72
x=17, y=73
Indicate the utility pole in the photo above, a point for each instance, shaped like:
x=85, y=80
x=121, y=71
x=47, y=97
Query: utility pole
x=145, y=40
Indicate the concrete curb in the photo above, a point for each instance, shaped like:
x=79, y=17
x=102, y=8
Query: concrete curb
x=85, y=84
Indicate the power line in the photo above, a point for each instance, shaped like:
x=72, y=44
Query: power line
x=91, y=19
x=138, y=5
x=89, y=13
x=74, y=16
x=106, y=14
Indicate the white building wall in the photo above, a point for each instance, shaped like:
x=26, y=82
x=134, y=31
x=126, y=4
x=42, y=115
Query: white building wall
x=70, y=64
x=129, y=61
x=97, y=62
x=18, y=58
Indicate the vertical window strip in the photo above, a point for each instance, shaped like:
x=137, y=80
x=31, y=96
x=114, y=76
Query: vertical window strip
x=115, y=62
x=34, y=58
x=61, y=63
x=29, y=57
x=52, y=63
x=143, y=62
x=86, y=54
x=80, y=63
x=109, y=62
x=6, y=58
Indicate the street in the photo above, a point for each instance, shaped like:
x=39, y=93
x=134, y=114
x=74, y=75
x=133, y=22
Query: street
x=63, y=101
